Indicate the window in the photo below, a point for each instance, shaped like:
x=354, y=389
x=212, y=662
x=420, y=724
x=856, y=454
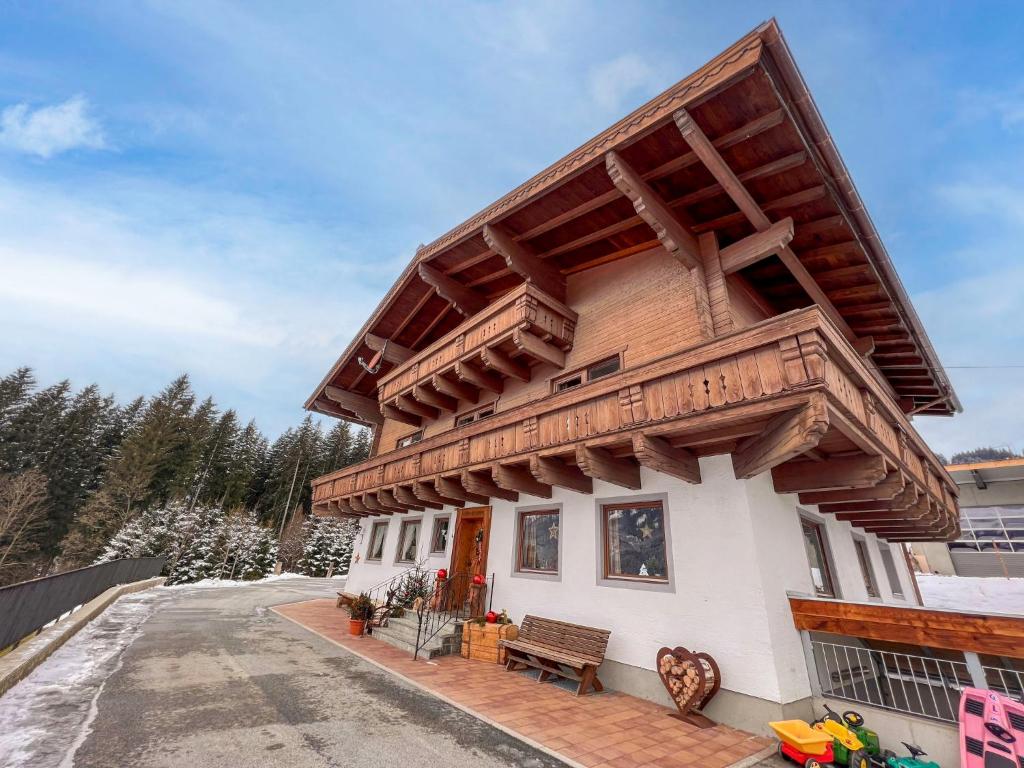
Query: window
x=597, y=370
x=890, y=570
x=477, y=415
x=538, y=541
x=408, y=541
x=988, y=529
x=866, y=571
x=377, y=535
x=634, y=541
x=439, y=538
x=814, y=543
x=408, y=440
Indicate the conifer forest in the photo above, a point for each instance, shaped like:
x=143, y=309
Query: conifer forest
x=85, y=478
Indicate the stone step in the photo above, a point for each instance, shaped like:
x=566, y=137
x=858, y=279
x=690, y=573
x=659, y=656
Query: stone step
x=401, y=633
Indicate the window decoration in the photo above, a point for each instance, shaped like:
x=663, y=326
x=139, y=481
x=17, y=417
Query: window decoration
x=600, y=369
x=377, y=536
x=866, y=571
x=890, y=570
x=408, y=541
x=814, y=544
x=634, y=541
x=439, y=538
x=538, y=541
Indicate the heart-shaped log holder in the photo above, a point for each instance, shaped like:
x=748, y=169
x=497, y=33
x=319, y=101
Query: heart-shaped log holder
x=692, y=680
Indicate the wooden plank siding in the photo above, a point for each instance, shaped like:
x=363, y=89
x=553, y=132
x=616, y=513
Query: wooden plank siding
x=707, y=396
x=951, y=630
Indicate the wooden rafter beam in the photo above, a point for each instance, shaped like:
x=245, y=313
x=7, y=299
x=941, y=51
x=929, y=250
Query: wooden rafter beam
x=465, y=300
x=551, y=470
x=907, y=498
x=833, y=474
x=758, y=246
x=893, y=484
x=405, y=495
x=754, y=213
x=514, y=477
x=456, y=389
x=498, y=361
x=427, y=492
x=653, y=209
x=389, y=499
x=435, y=399
x=470, y=374
x=524, y=263
x=415, y=407
x=483, y=485
x=538, y=348
x=372, y=502
x=392, y=352
x=786, y=436
x=397, y=414
x=356, y=503
x=365, y=408
x=599, y=464
x=656, y=454
x=452, y=488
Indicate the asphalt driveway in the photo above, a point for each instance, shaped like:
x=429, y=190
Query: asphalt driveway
x=211, y=678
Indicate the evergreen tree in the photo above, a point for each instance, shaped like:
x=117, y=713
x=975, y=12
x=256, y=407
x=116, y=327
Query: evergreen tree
x=327, y=546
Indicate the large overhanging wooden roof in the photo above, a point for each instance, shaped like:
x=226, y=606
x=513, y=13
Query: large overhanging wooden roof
x=753, y=105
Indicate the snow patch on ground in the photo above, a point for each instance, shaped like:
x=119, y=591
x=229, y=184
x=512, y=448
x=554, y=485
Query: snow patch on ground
x=214, y=583
x=59, y=694
x=972, y=593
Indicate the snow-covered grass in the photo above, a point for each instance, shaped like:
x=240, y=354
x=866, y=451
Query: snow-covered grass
x=214, y=583
x=972, y=593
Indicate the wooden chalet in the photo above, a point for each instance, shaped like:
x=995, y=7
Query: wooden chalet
x=688, y=323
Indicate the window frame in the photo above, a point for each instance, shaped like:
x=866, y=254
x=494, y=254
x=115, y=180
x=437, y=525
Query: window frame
x=438, y=519
x=401, y=442
x=377, y=524
x=828, y=564
x=530, y=573
x=601, y=541
x=892, y=576
x=406, y=523
x=583, y=372
x=867, y=568
x=474, y=414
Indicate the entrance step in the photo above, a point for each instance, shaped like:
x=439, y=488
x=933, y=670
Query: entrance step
x=401, y=633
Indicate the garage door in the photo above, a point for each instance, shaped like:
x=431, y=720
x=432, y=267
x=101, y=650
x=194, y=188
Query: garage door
x=988, y=563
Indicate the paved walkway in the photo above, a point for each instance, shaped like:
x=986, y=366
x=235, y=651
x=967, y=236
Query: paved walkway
x=610, y=729
x=210, y=678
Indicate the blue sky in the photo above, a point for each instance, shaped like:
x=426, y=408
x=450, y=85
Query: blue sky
x=229, y=188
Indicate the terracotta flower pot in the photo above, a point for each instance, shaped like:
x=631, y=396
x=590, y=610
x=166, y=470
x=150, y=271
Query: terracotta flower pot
x=356, y=626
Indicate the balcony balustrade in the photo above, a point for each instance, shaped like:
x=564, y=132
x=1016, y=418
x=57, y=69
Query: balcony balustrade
x=789, y=395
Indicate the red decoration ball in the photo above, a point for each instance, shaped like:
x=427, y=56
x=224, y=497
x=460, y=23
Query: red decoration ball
x=442, y=573
x=478, y=579
x=491, y=617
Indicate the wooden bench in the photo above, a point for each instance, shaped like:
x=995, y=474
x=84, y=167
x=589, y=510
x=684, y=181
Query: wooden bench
x=560, y=649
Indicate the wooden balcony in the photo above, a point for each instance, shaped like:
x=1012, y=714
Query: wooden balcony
x=508, y=339
x=789, y=395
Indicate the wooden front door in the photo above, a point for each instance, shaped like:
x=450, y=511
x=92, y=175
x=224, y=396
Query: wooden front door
x=472, y=532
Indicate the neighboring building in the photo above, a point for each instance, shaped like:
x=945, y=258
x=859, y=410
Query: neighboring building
x=661, y=384
x=991, y=541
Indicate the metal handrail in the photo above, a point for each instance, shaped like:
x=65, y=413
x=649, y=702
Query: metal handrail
x=452, y=600
x=28, y=606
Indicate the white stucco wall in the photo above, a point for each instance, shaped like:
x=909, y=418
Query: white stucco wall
x=737, y=549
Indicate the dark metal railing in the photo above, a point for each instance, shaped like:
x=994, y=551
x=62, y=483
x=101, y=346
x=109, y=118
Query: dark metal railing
x=29, y=606
x=452, y=600
x=396, y=594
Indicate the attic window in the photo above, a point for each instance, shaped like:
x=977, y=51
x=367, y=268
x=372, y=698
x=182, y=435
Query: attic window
x=477, y=415
x=598, y=370
x=404, y=442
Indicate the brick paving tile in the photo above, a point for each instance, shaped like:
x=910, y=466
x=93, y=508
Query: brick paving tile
x=608, y=730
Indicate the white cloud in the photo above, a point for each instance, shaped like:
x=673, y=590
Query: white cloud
x=48, y=131
x=1006, y=106
x=612, y=82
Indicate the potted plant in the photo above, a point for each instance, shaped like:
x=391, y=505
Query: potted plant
x=360, y=612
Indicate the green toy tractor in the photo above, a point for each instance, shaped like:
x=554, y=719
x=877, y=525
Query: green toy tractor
x=855, y=722
x=853, y=745
x=890, y=760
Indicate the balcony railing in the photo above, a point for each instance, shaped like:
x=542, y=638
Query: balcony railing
x=916, y=661
x=525, y=328
x=788, y=394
